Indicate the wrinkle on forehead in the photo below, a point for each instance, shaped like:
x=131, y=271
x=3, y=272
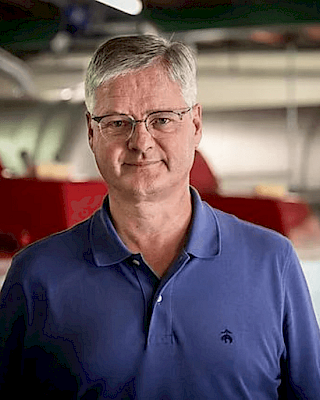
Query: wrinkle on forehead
x=157, y=67
x=150, y=87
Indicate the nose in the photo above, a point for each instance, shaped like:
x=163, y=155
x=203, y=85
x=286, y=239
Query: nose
x=140, y=139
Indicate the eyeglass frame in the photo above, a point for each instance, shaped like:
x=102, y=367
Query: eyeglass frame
x=134, y=121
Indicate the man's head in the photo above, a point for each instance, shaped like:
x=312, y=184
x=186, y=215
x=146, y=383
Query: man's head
x=143, y=123
x=125, y=54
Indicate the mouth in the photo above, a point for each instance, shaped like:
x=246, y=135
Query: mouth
x=142, y=164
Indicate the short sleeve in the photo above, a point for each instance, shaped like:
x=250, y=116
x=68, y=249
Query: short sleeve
x=301, y=360
x=13, y=322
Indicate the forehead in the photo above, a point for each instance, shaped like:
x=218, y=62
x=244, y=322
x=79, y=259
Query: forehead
x=148, y=89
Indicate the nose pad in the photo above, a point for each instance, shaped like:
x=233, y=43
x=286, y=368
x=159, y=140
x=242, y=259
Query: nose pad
x=140, y=138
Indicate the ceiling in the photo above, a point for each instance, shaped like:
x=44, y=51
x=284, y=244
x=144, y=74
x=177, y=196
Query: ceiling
x=29, y=26
x=55, y=39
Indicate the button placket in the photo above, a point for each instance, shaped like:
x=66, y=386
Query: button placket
x=160, y=326
x=160, y=331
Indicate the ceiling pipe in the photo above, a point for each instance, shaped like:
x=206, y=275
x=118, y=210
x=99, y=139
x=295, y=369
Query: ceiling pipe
x=16, y=69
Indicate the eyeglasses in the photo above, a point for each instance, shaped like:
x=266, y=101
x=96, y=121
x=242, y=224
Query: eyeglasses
x=123, y=125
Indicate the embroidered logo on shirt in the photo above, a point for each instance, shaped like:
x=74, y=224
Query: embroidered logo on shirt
x=226, y=336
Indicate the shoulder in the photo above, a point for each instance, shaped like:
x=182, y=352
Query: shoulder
x=257, y=241
x=236, y=238
x=262, y=254
x=49, y=263
x=234, y=228
x=55, y=250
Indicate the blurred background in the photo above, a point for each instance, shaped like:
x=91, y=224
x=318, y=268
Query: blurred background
x=259, y=84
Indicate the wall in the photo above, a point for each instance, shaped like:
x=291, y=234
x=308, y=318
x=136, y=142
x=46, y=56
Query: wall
x=248, y=148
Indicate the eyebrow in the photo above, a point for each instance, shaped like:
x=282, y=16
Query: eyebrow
x=130, y=115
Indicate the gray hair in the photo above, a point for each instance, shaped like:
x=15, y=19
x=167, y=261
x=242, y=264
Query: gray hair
x=125, y=54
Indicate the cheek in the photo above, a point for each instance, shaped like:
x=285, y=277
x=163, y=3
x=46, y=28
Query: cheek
x=182, y=154
x=189, y=144
x=108, y=156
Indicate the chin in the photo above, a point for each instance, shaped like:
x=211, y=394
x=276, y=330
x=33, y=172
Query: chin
x=143, y=190
x=146, y=187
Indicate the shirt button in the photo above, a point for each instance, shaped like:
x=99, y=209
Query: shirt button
x=136, y=262
x=159, y=299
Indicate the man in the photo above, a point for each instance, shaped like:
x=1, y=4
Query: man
x=157, y=296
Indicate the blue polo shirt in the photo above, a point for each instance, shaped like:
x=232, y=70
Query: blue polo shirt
x=84, y=318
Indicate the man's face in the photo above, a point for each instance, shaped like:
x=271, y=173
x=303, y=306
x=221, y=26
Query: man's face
x=144, y=166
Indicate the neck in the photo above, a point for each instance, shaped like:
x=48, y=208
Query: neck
x=156, y=229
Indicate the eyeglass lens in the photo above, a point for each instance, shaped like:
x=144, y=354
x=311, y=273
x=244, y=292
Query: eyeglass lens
x=123, y=125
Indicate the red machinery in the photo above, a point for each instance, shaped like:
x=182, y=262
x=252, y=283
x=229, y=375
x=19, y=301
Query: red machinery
x=32, y=209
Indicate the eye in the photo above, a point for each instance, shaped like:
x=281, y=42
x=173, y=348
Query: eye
x=115, y=124
x=161, y=120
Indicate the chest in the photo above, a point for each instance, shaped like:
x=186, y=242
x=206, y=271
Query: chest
x=203, y=321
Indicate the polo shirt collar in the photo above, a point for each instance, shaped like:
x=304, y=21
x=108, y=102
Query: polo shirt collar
x=203, y=239
x=107, y=247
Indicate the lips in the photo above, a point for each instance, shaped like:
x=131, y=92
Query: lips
x=142, y=163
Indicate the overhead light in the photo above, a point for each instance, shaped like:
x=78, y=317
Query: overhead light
x=132, y=7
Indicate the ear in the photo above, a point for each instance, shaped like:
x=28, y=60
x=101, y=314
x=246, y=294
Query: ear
x=197, y=122
x=90, y=130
